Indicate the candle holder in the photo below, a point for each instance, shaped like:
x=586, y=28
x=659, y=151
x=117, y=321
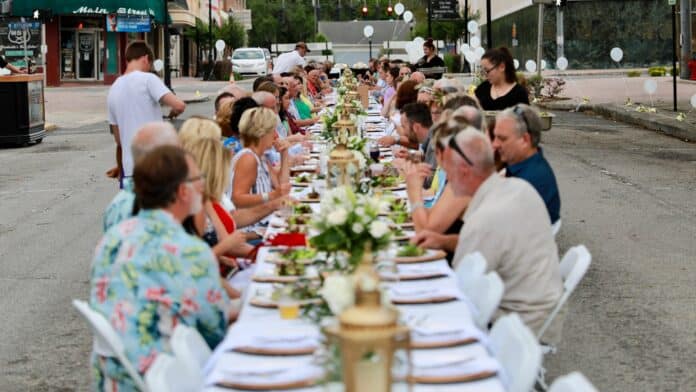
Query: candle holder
x=368, y=335
x=343, y=168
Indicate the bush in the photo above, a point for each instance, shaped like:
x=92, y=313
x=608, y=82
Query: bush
x=326, y=52
x=633, y=74
x=453, y=62
x=320, y=38
x=553, y=87
x=535, y=84
x=657, y=71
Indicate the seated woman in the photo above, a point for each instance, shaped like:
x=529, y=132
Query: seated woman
x=197, y=127
x=232, y=141
x=392, y=79
x=253, y=181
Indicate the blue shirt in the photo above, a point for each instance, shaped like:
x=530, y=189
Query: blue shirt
x=233, y=144
x=537, y=171
x=121, y=206
x=148, y=275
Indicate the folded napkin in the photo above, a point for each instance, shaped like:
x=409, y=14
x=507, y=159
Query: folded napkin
x=264, y=373
x=288, y=239
x=422, y=293
x=441, y=331
x=452, y=367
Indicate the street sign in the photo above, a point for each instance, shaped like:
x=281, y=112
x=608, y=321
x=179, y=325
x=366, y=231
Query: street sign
x=445, y=9
x=24, y=25
x=672, y=2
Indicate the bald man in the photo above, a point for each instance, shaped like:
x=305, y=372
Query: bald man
x=418, y=77
x=150, y=136
x=507, y=222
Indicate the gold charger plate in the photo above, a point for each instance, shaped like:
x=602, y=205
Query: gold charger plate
x=451, y=379
x=268, y=386
x=435, y=275
x=424, y=301
x=430, y=255
x=270, y=304
x=276, y=351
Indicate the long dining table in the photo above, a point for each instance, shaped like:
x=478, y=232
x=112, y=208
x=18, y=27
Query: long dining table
x=245, y=359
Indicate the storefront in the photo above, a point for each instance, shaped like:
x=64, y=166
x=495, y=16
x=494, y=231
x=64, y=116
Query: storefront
x=86, y=42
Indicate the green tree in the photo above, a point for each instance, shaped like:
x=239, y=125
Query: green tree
x=272, y=23
x=232, y=32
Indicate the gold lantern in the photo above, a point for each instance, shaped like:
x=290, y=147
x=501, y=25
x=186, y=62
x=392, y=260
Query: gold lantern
x=343, y=167
x=368, y=335
x=344, y=126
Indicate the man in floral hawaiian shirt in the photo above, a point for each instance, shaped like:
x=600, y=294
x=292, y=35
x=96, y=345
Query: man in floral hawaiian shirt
x=151, y=135
x=148, y=274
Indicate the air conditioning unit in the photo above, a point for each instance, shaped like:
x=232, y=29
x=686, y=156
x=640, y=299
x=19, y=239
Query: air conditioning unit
x=5, y=6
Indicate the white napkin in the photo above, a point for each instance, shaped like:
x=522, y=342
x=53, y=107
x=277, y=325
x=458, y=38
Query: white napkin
x=456, y=367
x=437, y=331
x=268, y=371
x=404, y=294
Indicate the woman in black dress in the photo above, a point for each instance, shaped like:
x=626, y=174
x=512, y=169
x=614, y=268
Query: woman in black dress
x=500, y=90
x=430, y=60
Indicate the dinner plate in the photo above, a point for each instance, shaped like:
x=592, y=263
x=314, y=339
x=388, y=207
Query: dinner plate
x=430, y=255
x=452, y=379
x=413, y=276
x=304, y=169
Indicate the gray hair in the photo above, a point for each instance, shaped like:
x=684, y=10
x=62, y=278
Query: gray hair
x=261, y=96
x=469, y=115
x=151, y=136
x=477, y=147
x=526, y=120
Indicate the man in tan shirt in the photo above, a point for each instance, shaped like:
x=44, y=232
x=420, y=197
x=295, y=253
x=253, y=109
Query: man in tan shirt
x=507, y=222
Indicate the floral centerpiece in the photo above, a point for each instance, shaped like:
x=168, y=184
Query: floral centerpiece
x=347, y=222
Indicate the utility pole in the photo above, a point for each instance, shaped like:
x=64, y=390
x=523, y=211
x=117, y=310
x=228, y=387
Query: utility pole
x=489, y=25
x=560, y=36
x=686, y=54
x=430, y=18
x=210, y=36
x=466, y=21
x=674, y=53
x=540, y=37
x=167, y=43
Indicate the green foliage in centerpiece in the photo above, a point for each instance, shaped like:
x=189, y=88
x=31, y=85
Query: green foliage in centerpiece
x=347, y=222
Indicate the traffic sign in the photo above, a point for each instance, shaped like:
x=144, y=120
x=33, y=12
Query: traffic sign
x=672, y=2
x=24, y=25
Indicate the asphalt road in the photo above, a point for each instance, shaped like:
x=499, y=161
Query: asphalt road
x=627, y=194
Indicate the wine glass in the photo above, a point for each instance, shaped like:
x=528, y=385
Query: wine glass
x=374, y=152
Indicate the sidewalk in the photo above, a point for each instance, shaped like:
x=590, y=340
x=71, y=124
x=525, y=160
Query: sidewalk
x=624, y=99
x=77, y=106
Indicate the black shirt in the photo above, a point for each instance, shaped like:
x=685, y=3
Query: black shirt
x=434, y=62
x=3, y=63
x=518, y=94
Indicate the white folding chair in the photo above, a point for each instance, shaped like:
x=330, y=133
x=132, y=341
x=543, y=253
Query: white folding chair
x=170, y=374
x=572, y=382
x=517, y=350
x=107, y=343
x=573, y=267
x=469, y=269
x=556, y=227
x=489, y=291
x=189, y=346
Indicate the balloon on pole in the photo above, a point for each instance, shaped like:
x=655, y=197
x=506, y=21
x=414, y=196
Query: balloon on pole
x=616, y=54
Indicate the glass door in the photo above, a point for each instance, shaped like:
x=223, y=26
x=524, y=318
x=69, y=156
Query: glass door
x=87, y=55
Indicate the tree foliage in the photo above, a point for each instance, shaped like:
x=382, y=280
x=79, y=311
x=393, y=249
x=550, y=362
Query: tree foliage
x=232, y=32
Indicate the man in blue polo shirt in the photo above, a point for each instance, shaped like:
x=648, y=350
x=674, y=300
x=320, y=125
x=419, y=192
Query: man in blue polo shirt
x=517, y=137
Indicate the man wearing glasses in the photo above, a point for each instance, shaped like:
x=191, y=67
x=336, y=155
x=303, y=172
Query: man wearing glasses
x=507, y=222
x=517, y=137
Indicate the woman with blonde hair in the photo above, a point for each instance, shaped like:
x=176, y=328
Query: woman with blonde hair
x=198, y=127
x=253, y=181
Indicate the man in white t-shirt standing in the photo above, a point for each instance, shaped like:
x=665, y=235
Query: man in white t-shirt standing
x=134, y=100
x=287, y=62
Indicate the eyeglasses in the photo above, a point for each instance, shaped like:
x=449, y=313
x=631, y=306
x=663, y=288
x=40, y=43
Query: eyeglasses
x=485, y=71
x=200, y=177
x=519, y=111
x=453, y=145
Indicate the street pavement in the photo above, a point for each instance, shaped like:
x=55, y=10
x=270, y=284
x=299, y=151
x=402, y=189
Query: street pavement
x=627, y=194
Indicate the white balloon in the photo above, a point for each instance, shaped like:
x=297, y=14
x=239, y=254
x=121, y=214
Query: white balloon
x=616, y=54
x=399, y=9
x=472, y=26
x=650, y=86
x=693, y=101
x=220, y=45
x=158, y=64
x=479, y=52
x=530, y=66
x=562, y=63
x=543, y=64
x=475, y=42
x=517, y=63
x=368, y=31
x=464, y=47
x=408, y=16
x=471, y=57
x=419, y=41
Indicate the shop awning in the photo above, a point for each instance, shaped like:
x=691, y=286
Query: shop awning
x=154, y=8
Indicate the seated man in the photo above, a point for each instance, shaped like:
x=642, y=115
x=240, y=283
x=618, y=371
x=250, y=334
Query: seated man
x=148, y=274
x=148, y=137
x=517, y=137
x=507, y=222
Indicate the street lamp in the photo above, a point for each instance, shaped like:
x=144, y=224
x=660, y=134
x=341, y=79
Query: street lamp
x=367, y=32
x=167, y=43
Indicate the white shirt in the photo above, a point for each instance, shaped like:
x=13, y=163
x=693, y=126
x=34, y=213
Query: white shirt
x=133, y=101
x=286, y=62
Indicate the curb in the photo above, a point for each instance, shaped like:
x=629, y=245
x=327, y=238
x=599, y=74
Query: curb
x=204, y=98
x=651, y=121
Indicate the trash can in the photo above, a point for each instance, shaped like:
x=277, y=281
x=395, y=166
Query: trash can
x=22, y=109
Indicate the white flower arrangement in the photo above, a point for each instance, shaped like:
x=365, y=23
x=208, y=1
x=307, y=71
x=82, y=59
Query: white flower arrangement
x=338, y=292
x=348, y=221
